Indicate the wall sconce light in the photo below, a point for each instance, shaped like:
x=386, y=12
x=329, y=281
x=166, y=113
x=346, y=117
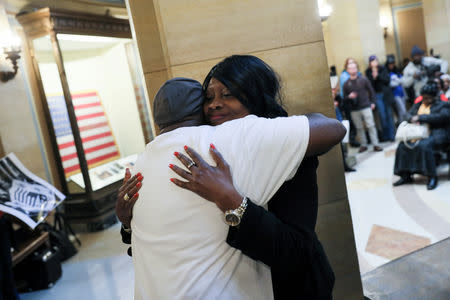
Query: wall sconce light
x=384, y=23
x=325, y=10
x=11, y=49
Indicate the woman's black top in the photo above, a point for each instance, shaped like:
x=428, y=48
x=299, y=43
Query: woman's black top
x=284, y=238
x=438, y=119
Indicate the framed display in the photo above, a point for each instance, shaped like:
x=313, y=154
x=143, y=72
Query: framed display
x=95, y=109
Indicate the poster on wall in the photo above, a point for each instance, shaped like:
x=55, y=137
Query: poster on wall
x=98, y=140
x=23, y=194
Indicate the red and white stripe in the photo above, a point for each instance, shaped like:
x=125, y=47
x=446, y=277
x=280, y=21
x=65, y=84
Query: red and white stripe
x=96, y=135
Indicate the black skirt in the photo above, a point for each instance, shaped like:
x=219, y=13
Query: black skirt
x=419, y=160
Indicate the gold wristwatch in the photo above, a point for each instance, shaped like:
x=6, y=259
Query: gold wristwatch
x=233, y=216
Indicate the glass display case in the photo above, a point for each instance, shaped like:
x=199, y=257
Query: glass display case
x=94, y=104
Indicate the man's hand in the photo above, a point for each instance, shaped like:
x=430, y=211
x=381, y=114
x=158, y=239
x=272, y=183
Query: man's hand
x=353, y=95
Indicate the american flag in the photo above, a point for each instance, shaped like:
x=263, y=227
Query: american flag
x=97, y=138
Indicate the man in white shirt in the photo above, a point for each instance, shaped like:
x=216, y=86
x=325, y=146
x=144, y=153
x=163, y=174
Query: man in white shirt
x=179, y=248
x=415, y=73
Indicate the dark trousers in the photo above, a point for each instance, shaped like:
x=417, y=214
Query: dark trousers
x=347, y=113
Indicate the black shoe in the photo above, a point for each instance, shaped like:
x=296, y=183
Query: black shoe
x=348, y=169
x=354, y=144
x=432, y=183
x=377, y=149
x=362, y=149
x=403, y=180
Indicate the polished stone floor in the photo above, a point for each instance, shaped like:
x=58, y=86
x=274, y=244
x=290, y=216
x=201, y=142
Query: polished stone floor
x=388, y=221
x=427, y=268
x=101, y=270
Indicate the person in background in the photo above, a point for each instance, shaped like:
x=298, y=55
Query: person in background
x=345, y=106
x=416, y=72
x=419, y=159
x=359, y=93
x=441, y=95
x=396, y=86
x=380, y=79
x=446, y=85
x=338, y=102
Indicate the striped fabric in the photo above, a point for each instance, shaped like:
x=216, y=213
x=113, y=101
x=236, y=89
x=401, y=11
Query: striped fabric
x=98, y=141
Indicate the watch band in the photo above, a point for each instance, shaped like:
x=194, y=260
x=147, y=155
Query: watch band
x=127, y=230
x=233, y=216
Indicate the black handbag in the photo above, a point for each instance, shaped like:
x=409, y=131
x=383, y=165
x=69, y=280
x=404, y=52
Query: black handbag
x=39, y=271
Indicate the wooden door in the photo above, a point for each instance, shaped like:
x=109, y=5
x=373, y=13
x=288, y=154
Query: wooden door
x=410, y=30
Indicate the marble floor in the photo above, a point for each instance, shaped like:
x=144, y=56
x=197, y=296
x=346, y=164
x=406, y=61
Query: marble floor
x=100, y=270
x=388, y=223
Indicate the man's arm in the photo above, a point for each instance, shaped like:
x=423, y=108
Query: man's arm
x=408, y=76
x=324, y=134
x=429, y=60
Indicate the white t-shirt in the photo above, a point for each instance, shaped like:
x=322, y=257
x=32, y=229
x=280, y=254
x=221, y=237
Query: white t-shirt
x=178, y=240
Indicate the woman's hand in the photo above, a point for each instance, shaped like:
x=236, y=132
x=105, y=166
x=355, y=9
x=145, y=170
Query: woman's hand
x=214, y=184
x=415, y=119
x=124, y=205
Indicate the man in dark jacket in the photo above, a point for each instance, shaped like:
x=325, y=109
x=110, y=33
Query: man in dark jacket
x=359, y=92
x=379, y=78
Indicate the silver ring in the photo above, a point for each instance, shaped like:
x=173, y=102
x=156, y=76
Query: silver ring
x=126, y=197
x=191, y=164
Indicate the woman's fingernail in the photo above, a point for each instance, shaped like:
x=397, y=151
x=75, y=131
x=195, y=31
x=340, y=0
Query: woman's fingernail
x=176, y=153
x=139, y=174
x=136, y=195
x=171, y=166
x=212, y=146
x=185, y=147
x=138, y=185
x=171, y=179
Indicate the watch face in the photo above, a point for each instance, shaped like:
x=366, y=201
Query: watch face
x=232, y=220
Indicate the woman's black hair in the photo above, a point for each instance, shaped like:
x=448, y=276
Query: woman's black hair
x=252, y=82
x=430, y=88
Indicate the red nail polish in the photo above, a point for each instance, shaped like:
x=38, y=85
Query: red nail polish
x=139, y=174
x=185, y=147
x=212, y=146
x=171, y=179
x=176, y=153
x=136, y=195
x=139, y=178
x=171, y=166
x=138, y=185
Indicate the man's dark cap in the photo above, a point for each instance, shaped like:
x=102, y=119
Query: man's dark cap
x=372, y=57
x=416, y=51
x=176, y=99
x=390, y=59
